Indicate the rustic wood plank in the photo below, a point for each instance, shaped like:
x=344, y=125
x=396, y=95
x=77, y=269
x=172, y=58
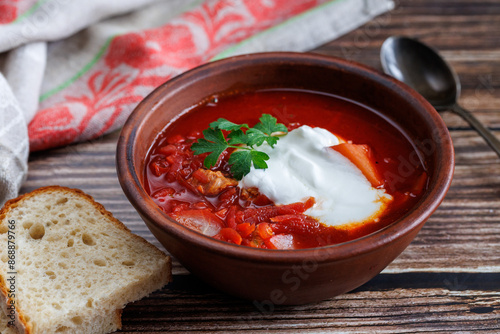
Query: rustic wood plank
x=387, y=304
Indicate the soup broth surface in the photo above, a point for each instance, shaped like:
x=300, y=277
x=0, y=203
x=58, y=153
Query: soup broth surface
x=177, y=181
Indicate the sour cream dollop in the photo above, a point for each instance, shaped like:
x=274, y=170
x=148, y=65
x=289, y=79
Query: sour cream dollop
x=303, y=165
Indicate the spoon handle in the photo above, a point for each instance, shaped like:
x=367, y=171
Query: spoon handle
x=479, y=127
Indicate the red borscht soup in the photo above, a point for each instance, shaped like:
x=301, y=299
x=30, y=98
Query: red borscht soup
x=340, y=172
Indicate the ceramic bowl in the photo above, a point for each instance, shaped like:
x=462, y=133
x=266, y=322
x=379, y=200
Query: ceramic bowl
x=274, y=277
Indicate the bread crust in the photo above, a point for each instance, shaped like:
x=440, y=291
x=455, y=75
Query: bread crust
x=22, y=325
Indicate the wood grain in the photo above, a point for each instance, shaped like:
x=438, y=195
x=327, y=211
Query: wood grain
x=447, y=280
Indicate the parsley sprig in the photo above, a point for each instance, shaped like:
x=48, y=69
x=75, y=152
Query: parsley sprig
x=240, y=160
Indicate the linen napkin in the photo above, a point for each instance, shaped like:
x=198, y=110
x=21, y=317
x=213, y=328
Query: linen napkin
x=71, y=71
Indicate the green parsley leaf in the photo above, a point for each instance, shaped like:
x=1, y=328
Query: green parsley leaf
x=224, y=124
x=259, y=159
x=268, y=125
x=214, y=142
x=245, y=155
x=241, y=162
x=263, y=131
x=255, y=137
x=238, y=137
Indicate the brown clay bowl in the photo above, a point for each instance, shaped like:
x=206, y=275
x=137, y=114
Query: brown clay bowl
x=273, y=277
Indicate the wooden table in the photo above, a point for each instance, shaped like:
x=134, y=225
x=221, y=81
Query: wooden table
x=447, y=280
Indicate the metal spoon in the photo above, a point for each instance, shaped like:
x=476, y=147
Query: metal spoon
x=423, y=69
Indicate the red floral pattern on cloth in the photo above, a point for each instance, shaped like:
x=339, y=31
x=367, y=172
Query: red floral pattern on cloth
x=8, y=12
x=11, y=9
x=135, y=63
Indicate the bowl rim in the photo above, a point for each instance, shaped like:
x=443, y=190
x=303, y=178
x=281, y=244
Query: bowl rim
x=404, y=225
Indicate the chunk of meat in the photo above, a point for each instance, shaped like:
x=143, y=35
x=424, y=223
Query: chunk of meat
x=210, y=183
x=253, y=195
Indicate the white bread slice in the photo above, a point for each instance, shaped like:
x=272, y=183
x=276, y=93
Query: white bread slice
x=77, y=266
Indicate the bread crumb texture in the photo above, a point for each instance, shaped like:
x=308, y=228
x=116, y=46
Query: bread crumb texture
x=77, y=266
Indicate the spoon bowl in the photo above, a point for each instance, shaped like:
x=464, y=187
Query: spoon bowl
x=420, y=67
x=423, y=69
